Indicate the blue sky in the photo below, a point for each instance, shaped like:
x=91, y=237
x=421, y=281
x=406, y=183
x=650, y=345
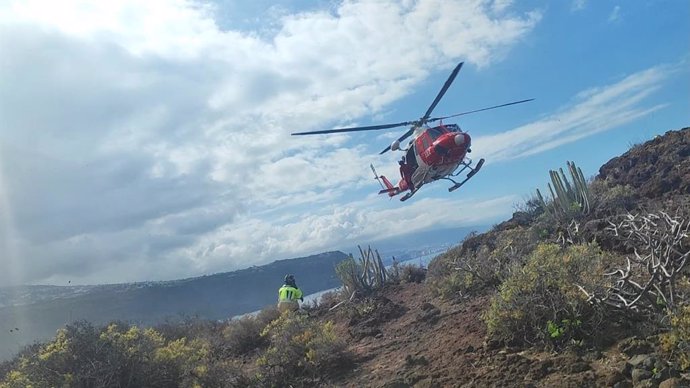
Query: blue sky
x=150, y=141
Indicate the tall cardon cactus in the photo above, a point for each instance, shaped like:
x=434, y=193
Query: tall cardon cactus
x=567, y=199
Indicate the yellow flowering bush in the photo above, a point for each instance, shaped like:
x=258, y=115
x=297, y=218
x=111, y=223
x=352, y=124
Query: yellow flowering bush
x=300, y=349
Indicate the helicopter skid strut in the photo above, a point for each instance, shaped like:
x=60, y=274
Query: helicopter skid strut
x=408, y=195
x=470, y=175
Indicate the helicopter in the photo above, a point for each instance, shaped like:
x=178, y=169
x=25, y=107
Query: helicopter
x=434, y=153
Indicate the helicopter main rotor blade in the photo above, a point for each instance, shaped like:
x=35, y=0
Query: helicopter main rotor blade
x=401, y=138
x=443, y=90
x=421, y=121
x=354, y=129
x=478, y=110
x=438, y=98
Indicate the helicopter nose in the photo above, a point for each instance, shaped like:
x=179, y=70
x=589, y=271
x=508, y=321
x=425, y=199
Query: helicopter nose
x=460, y=139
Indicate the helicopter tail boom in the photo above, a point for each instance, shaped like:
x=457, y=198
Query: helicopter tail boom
x=390, y=189
x=386, y=185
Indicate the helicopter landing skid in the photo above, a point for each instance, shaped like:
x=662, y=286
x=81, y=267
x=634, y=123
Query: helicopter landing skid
x=407, y=196
x=470, y=175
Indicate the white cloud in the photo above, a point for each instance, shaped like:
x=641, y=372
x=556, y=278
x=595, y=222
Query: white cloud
x=593, y=110
x=340, y=225
x=615, y=14
x=170, y=28
x=140, y=140
x=501, y=5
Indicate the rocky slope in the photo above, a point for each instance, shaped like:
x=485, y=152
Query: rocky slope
x=659, y=168
x=412, y=338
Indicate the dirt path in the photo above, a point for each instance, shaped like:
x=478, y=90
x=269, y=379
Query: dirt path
x=411, y=339
x=431, y=343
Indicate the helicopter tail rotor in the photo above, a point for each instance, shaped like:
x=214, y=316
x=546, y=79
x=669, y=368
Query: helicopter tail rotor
x=376, y=176
x=386, y=186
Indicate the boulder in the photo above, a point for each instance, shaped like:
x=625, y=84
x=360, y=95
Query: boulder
x=640, y=361
x=633, y=346
x=623, y=384
x=640, y=374
x=674, y=382
x=613, y=377
x=649, y=362
x=649, y=383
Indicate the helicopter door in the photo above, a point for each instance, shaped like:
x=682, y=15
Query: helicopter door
x=411, y=157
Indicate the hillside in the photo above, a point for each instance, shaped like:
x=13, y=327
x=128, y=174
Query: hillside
x=38, y=311
x=431, y=340
x=588, y=290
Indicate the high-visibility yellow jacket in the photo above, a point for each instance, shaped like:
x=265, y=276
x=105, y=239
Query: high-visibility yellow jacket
x=289, y=293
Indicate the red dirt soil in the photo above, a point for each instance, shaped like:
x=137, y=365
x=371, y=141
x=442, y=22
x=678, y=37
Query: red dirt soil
x=413, y=340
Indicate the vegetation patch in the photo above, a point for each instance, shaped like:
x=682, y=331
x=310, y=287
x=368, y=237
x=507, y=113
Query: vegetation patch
x=412, y=273
x=120, y=355
x=244, y=335
x=542, y=303
x=301, y=351
x=676, y=342
x=472, y=271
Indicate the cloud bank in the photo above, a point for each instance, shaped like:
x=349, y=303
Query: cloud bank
x=140, y=140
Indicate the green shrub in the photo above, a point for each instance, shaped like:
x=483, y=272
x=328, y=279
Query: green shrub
x=301, y=350
x=443, y=278
x=188, y=327
x=359, y=310
x=411, y=273
x=451, y=285
x=268, y=315
x=541, y=303
x=120, y=355
x=330, y=299
x=610, y=200
x=244, y=334
x=529, y=209
x=225, y=373
x=559, y=330
x=676, y=343
x=485, y=266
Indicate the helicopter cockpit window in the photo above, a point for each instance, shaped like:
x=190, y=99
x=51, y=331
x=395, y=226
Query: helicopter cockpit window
x=453, y=128
x=434, y=133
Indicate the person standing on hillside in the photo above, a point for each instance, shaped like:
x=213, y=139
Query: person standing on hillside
x=289, y=294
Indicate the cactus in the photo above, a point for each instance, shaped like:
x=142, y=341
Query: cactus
x=363, y=275
x=565, y=194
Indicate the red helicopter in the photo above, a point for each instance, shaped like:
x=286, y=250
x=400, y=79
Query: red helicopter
x=433, y=153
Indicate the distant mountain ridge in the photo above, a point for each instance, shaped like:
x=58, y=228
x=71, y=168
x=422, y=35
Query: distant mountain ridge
x=37, y=311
